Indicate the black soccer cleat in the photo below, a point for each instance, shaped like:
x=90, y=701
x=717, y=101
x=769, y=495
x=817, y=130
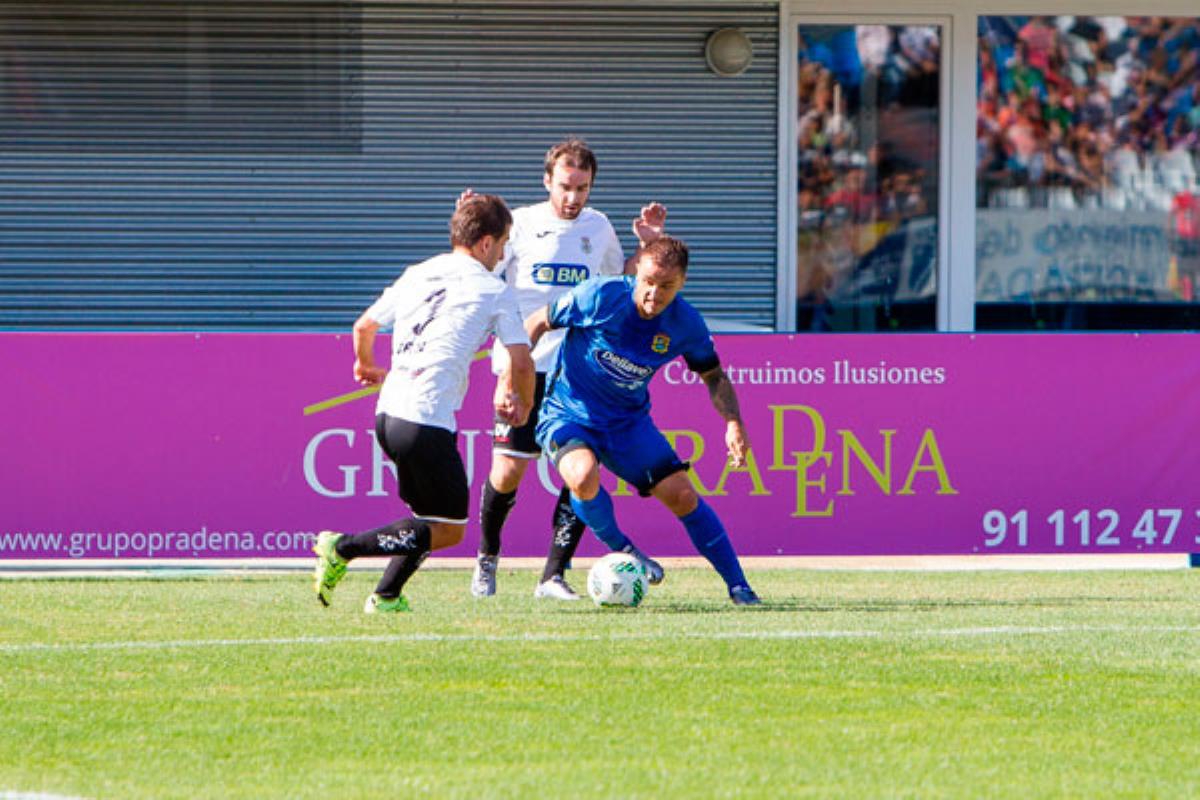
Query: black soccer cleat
x=744, y=596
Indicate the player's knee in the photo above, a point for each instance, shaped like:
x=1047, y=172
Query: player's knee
x=584, y=483
x=587, y=487
x=678, y=496
x=507, y=472
x=580, y=473
x=445, y=534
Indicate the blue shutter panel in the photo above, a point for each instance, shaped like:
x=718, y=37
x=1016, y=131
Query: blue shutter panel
x=273, y=165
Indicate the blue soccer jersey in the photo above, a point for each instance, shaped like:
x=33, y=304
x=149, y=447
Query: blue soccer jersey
x=604, y=367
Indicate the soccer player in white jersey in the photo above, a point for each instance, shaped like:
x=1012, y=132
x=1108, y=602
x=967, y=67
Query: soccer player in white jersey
x=441, y=312
x=555, y=245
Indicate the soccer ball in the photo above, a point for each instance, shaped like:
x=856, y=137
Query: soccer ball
x=617, y=579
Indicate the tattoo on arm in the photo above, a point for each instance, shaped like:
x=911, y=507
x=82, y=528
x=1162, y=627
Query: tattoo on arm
x=724, y=399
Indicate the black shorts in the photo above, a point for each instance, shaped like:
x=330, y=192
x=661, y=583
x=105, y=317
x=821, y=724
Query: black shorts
x=519, y=442
x=429, y=470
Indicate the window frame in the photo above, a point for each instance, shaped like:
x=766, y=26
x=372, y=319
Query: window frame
x=959, y=20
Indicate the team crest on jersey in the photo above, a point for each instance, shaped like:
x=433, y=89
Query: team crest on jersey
x=552, y=273
x=661, y=343
x=586, y=244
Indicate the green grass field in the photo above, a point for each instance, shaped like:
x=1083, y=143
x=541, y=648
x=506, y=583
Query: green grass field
x=845, y=684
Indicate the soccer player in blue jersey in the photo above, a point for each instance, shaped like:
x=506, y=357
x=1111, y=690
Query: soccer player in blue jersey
x=620, y=331
x=554, y=246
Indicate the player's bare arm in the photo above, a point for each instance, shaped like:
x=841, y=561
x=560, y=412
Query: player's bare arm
x=724, y=400
x=537, y=324
x=365, y=370
x=513, y=400
x=651, y=224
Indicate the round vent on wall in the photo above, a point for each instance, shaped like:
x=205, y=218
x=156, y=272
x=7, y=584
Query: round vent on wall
x=728, y=52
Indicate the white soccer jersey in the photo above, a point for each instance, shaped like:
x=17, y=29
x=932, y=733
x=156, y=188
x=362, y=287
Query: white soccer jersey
x=546, y=257
x=441, y=312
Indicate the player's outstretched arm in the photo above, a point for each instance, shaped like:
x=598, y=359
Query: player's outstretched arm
x=365, y=370
x=724, y=400
x=515, y=386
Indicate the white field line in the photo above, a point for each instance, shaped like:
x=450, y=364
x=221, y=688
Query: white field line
x=416, y=638
x=182, y=568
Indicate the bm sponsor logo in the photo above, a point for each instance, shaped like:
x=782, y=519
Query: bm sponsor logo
x=554, y=274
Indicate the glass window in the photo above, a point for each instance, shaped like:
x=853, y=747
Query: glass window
x=1088, y=206
x=867, y=106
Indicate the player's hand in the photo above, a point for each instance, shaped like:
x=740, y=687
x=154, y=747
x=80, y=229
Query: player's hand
x=510, y=409
x=503, y=395
x=652, y=223
x=369, y=374
x=521, y=414
x=467, y=194
x=736, y=443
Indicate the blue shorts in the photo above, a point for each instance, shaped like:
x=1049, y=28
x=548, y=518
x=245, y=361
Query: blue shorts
x=636, y=452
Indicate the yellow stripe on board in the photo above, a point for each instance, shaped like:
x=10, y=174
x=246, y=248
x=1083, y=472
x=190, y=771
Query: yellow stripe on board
x=342, y=399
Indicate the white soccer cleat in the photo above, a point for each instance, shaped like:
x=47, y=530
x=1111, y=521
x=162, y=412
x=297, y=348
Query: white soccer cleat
x=483, y=581
x=556, y=588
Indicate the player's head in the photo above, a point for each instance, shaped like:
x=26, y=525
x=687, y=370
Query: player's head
x=661, y=272
x=570, y=172
x=481, y=224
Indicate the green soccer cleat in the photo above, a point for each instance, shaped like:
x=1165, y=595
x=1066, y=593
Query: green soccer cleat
x=331, y=567
x=385, y=605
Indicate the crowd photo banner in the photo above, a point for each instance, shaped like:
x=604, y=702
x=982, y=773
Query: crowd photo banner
x=1056, y=255
x=124, y=446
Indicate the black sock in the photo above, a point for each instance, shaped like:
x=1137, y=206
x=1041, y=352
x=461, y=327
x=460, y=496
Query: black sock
x=568, y=530
x=399, y=569
x=405, y=537
x=493, y=510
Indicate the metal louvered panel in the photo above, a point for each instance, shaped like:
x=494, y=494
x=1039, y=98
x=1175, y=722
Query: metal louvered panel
x=272, y=165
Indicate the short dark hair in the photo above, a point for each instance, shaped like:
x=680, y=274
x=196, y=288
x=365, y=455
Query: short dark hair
x=666, y=251
x=576, y=152
x=479, y=216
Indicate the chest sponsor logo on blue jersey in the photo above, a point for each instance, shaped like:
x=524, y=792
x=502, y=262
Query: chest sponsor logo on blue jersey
x=549, y=273
x=625, y=373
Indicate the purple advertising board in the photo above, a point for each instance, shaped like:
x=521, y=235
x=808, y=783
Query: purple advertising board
x=243, y=445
